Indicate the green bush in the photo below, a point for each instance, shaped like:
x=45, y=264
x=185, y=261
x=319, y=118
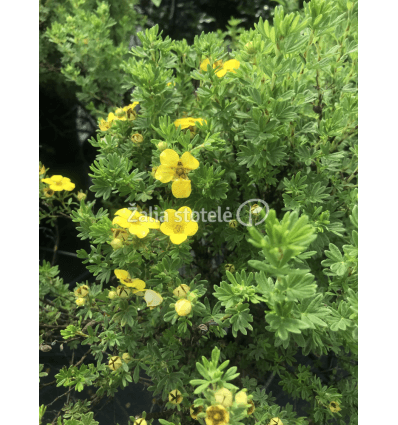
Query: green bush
x=208, y=309
x=82, y=46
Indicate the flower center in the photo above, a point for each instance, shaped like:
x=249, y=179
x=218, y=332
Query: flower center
x=178, y=228
x=58, y=183
x=217, y=416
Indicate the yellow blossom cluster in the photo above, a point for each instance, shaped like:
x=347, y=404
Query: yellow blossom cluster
x=121, y=114
x=80, y=293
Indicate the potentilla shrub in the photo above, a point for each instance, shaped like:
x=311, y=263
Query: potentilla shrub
x=226, y=246
x=82, y=46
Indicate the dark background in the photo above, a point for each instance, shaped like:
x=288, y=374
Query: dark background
x=65, y=128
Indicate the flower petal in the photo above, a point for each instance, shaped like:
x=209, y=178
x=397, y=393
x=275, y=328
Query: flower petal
x=178, y=238
x=169, y=216
x=149, y=222
x=57, y=178
x=68, y=186
x=122, y=274
x=191, y=228
x=56, y=187
x=164, y=173
x=186, y=214
x=189, y=161
x=181, y=188
x=122, y=222
x=48, y=181
x=166, y=228
x=138, y=230
x=169, y=157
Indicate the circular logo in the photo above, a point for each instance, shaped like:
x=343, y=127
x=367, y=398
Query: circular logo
x=252, y=211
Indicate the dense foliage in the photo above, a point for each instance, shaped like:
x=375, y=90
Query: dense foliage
x=258, y=134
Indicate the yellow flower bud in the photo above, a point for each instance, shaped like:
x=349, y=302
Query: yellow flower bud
x=116, y=243
x=233, y=224
x=112, y=295
x=183, y=307
x=181, y=291
x=140, y=421
x=80, y=301
x=224, y=396
x=123, y=291
x=82, y=291
x=230, y=267
x=126, y=357
x=81, y=196
x=175, y=397
x=137, y=138
x=115, y=362
x=162, y=146
x=241, y=397
x=42, y=170
x=217, y=415
x=250, y=48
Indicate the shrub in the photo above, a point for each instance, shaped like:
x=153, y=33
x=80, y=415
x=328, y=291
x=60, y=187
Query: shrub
x=261, y=141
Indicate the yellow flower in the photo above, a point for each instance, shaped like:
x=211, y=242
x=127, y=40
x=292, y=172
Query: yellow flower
x=183, y=307
x=80, y=301
x=125, y=278
x=138, y=224
x=82, y=291
x=152, y=298
x=115, y=362
x=217, y=415
x=188, y=122
x=275, y=421
x=104, y=125
x=241, y=397
x=140, y=421
x=252, y=408
x=123, y=291
x=228, y=66
x=178, y=225
x=126, y=357
x=255, y=209
x=334, y=406
x=194, y=411
x=175, y=397
x=48, y=193
x=250, y=48
x=175, y=168
x=181, y=291
x=216, y=64
x=224, y=396
x=42, y=170
x=58, y=183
